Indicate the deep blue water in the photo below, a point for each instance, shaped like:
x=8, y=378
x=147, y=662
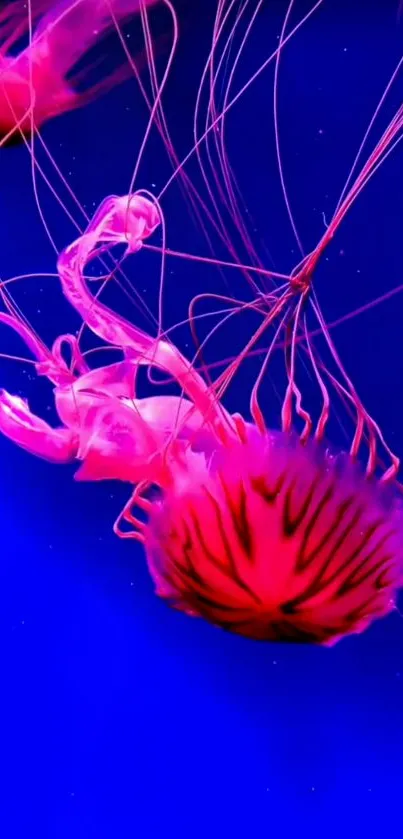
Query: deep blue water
x=121, y=718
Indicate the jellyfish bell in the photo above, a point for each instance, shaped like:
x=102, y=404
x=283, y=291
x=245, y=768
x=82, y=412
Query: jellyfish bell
x=14, y=138
x=30, y=94
x=260, y=532
x=15, y=100
x=41, y=81
x=277, y=541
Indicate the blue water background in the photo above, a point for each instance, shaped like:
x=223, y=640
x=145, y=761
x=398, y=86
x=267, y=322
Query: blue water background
x=120, y=718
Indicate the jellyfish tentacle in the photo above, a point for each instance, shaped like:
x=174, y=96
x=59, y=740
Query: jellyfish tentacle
x=129, y=220
x=126, y=515
x=78, y=362
x=48, y=364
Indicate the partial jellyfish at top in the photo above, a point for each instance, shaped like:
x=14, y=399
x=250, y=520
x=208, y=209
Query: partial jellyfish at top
x=41, y=81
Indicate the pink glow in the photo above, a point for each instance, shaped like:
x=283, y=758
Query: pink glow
x=33, y=86
x=261, y=533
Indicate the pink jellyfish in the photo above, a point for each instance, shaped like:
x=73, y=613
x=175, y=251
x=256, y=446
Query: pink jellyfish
x=39, y=82
x=260, y=532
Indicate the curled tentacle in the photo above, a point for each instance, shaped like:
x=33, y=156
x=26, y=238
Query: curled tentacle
x=129, y=220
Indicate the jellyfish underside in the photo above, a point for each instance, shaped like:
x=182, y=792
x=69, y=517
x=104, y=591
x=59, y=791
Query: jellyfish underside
x=255, y=531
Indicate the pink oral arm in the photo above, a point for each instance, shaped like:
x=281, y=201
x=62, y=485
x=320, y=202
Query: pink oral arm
x=33, y=434
x=111, y=383
x=18, y=423
x=129, y=220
